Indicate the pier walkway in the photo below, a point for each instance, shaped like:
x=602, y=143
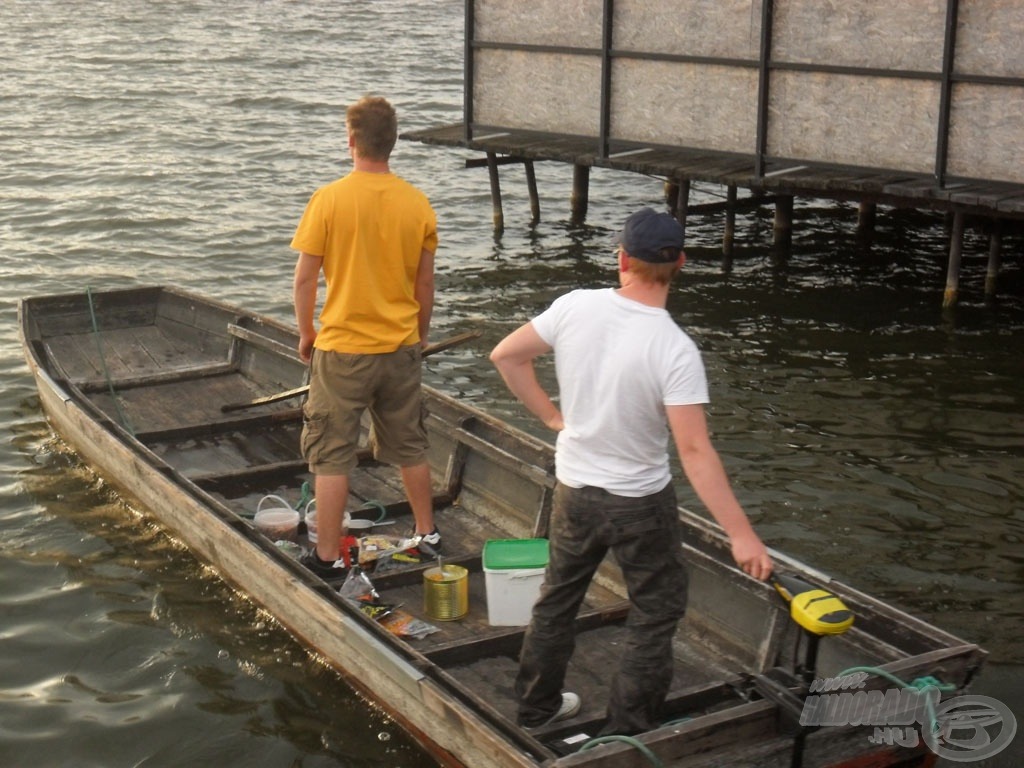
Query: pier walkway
x=779, y=182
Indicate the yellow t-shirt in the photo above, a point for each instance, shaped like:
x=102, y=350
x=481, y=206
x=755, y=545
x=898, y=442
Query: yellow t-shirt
x=370, y=229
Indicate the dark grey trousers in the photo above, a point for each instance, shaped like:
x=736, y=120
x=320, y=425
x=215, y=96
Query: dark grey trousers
x=644, y=535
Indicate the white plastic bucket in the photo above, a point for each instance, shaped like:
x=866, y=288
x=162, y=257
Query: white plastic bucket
x=513, y=573
x=310, y=518
x=278, y=522
x=347, y=523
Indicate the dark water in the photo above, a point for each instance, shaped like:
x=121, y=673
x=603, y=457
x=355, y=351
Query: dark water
x=867, y=432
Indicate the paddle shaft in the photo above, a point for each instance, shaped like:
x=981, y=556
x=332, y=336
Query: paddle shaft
x=288, y=394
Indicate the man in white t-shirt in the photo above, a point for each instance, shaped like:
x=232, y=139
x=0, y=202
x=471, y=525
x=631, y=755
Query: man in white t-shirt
x=628, y=379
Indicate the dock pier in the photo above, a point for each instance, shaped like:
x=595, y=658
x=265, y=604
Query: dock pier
x=993, y=202
x=906, y=105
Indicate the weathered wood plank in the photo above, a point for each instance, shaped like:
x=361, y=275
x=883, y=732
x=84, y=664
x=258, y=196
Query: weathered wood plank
x=837, y=180
x=184, y=373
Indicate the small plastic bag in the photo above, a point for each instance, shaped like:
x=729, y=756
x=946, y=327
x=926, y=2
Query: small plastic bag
x=404, y=624
x=358, y=588
x=357, y=585
x=372, y=548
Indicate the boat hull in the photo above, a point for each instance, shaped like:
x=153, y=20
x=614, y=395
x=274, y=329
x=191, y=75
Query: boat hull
x=200, y=476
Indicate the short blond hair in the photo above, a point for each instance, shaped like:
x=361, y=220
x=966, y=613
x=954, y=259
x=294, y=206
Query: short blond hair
x=373, y=126
x=649, y=272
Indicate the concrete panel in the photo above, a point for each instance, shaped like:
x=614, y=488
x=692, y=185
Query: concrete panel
x=690, y=105
x=572, y=23
x=880, y=34
x=989, y=38
x=986, y=140
x=874, y=122
x=719, y=28
x=538, y=91
x=856, y=120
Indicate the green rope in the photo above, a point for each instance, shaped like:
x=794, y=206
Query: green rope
x=306, y=495
x=919, y=683
x=371, y=504
x=103, y=363
x=635, y=743
x=680, y=721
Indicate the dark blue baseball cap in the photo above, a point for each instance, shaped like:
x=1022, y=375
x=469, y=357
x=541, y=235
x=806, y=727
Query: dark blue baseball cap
x=648, y=233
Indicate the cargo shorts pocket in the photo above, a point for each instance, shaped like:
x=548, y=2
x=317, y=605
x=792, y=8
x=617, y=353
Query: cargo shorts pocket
x=314, y=430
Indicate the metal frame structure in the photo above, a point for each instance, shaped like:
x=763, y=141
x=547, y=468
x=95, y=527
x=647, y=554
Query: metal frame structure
x=765, y=64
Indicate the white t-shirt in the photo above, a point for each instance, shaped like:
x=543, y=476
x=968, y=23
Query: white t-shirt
x=618, y=363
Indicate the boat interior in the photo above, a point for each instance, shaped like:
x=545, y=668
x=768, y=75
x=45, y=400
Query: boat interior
x=160, y=365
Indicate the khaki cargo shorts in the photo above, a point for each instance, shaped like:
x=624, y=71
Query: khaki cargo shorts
x=345, y=386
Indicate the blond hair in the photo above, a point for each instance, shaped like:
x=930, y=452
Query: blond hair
x=650, y=272
x=373, y=126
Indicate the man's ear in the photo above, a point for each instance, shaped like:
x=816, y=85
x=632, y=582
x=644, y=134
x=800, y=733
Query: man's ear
x=623, y=261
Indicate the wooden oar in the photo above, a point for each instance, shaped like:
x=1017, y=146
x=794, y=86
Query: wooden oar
x=288, y=394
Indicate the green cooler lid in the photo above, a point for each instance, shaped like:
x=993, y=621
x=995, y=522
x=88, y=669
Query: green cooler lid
x=515, y=553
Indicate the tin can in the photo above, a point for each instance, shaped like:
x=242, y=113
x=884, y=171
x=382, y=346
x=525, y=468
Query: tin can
x=446, y=592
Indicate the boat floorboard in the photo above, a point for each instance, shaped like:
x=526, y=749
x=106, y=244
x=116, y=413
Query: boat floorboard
x=179, y=403
x=597, y=650
x=127, y=352
x=202, y=442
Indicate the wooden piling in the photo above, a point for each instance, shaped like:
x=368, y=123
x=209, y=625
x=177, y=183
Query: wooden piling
x=580, y=193
x=866, y=217
x=682, y=205
x=496, y=207
x=995, y=252
x=730, y=227
x=531, y=186
x=671, y=194
x=783, y=227
x=956, y=249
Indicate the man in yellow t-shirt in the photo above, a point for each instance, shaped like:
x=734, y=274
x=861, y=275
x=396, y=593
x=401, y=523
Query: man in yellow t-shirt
x=373, y=235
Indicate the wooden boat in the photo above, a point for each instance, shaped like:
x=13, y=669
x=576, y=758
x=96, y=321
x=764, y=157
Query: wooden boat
x=138, y=381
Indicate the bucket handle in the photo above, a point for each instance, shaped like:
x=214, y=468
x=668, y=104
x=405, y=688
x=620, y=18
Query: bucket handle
x=273, y=497
x=311, y=504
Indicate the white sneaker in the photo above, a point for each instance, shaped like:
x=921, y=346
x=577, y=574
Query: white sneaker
x=570, y=707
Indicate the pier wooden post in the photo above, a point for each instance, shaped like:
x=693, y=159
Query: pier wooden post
x=671, y=194
x=865, y=225
x=995, y=253
x=866, y=216
x=580, y=193
x=783, y=228
x=499, y=214
x=730, y=227
x=682, y=205
x=956, y=249
x=531, y=186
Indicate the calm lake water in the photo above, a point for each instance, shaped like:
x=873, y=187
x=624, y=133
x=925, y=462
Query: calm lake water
x=867, y=432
